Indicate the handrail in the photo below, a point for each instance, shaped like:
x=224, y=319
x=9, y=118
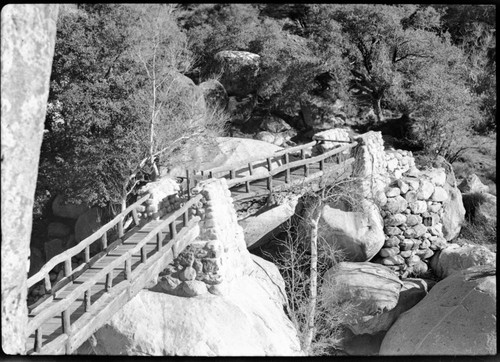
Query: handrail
x=266, y=173
x=65, y=303
x=274, y=155
x=63, y=257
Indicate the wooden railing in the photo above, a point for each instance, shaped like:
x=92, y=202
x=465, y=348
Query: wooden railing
x=232, y=173
x=84, y=245
x=61, y=307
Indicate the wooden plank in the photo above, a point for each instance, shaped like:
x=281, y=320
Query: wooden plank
x=241, y=180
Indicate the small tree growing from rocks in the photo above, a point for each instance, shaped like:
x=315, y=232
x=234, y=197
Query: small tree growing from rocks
x=305, y=256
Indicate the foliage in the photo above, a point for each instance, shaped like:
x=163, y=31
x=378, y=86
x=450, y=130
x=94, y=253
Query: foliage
x=109, y=61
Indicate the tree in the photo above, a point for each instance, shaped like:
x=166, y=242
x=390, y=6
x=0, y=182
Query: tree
x=117, y=103
x=92, y=137
x=304, y=256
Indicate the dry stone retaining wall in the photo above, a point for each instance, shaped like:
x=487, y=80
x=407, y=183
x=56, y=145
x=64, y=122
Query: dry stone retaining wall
x=219, y=253
x=412, y=214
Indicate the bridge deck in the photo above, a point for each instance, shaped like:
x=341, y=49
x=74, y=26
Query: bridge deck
x=53, y=327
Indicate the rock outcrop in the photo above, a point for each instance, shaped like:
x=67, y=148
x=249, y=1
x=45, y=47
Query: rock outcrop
x=359, y=234
x=214, y=93
x=244, y=322
x=260, y=228
x=472, y=183
x=239, y=71
x=456, y=258
x=372, y=289
x=28, y=38
x=241, y=151
x=457, y=317
x=240, y=109
x=320, y=113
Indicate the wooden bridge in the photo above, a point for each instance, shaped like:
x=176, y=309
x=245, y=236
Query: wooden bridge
x=89, y=295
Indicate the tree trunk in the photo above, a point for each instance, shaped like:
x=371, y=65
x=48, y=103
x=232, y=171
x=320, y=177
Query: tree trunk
x=313, y=286
x=377, y=109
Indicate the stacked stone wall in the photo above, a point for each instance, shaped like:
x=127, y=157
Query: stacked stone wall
x=218, y=255
x=400, y=162
x=412, y=212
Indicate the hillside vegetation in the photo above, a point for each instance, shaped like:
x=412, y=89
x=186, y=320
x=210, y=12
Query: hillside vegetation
x=116, y=111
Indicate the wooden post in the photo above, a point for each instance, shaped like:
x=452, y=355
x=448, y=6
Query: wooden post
x=87, y=254
x=188, y=185
x=120, y=223
x=48, y=286
x=135, y=216
x=159, y=241
x=88, y=301
x=287, y=174
x=270, y=178
x=185, y=218
x=173, y=230
x=128, y=268
x=109, y=280
x=65, y=321
x=211, y=174
x=174, y=250
x=322, y=165
x=144, y=256
x=250, y=172
x=104, y=238
x=67, y=267
x=306, y=168
x=120, y=229
x=38, y=340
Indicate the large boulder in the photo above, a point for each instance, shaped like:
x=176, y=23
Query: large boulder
x=67, y=210
x=457, y=317
x=456, y=258
x=453, y=213
x=214, y=93
x=325, y=138
x=58, y=230
x=245, y=321
x=274, y=124
x=187, y=93
x=87, y=224
x=240, y=151
x=319, y=113
x=53, y=247
x=372, y=289
x=480, y=207
x=260, y=228
x=412, y=292
x=359, y=234
x=472, y=183
x=487, y=210
x=240, y=109
x=239, y=71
